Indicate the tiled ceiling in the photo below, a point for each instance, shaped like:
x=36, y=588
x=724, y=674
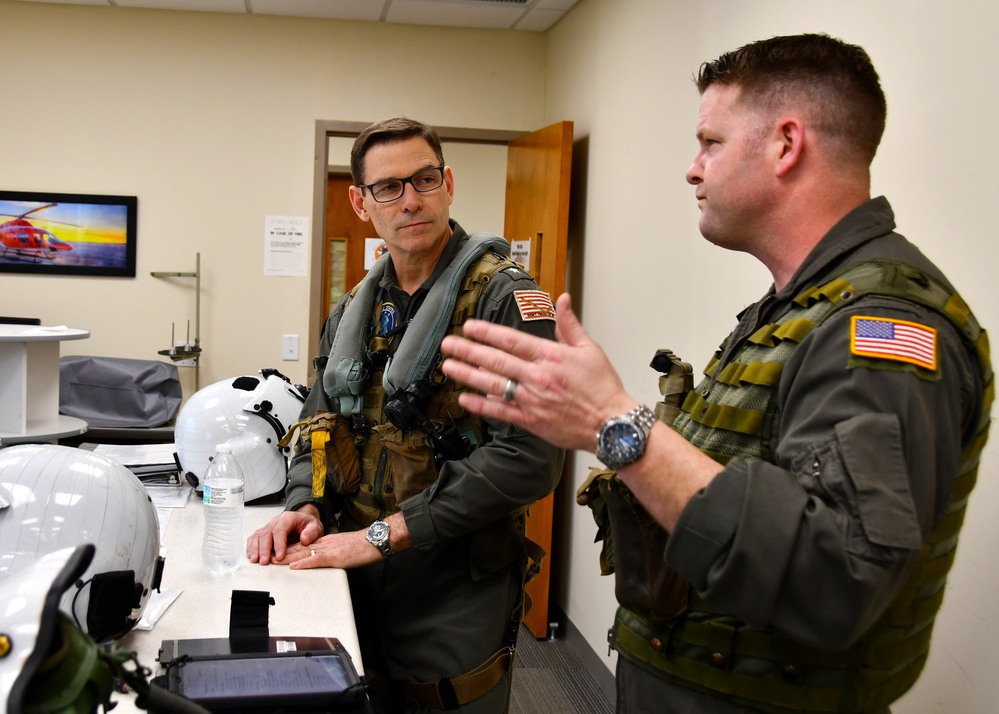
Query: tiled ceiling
x=532, y=15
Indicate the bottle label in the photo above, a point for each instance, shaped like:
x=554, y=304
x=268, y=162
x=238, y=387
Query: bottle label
x=222, y=496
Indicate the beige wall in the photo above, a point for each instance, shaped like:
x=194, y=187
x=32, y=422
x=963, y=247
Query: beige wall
x=621, y=69
x=210, y=120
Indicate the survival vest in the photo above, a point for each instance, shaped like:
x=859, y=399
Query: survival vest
x=357, y=451
x=396, y=464
x=681, y=639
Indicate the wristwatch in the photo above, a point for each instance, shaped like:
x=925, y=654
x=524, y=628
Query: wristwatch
x=622, y=439
x=378, y=536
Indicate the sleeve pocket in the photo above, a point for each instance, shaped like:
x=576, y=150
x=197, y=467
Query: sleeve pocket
x=871, y=445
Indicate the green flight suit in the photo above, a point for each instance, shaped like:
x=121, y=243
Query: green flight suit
x=431, y=611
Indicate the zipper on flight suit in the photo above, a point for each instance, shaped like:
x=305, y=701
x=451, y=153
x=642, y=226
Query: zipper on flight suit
x=380, y=482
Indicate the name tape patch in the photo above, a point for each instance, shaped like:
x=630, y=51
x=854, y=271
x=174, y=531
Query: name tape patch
x=534, y=305
x=898, y=340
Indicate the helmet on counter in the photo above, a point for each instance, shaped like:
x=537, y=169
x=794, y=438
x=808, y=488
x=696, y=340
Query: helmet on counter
x=251, y=414
x=42, y=654
x=55, y=497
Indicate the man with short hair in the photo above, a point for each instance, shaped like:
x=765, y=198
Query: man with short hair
x=806, y=502
x=421, y=500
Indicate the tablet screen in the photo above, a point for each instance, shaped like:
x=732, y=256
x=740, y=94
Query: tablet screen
x=237, y=681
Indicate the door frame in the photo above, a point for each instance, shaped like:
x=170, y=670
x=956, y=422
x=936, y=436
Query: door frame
x=330, y=128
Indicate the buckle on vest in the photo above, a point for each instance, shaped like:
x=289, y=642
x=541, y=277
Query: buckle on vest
x=359, y=425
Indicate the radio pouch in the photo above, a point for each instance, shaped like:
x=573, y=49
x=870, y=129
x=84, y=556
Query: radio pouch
x=634, y=547
x=334, y=452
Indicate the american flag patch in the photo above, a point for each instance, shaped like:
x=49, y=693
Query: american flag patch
x=534, y=305
x=898, y=340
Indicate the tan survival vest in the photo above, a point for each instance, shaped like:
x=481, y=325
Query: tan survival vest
x=670, y=632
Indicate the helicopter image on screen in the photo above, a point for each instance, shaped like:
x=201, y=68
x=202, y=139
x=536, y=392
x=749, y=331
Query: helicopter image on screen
x=21, y=239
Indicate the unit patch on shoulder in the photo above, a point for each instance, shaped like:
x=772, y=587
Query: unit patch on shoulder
x=534, y=305
x=890, y=339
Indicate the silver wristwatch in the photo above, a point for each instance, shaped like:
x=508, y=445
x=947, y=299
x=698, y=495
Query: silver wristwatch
x=622, y=439
x=378, y=536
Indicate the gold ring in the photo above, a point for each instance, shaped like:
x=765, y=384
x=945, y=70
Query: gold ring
x=312, y=552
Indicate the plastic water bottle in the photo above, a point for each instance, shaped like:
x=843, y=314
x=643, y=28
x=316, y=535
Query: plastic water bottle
x=223, y=549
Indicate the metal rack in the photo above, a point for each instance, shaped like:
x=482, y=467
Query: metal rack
x=188, y=351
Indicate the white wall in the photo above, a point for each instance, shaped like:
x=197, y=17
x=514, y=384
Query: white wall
x=622, y=69
x=210, y=120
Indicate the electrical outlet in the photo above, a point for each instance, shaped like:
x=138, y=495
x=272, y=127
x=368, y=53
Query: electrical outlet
x=289, y=348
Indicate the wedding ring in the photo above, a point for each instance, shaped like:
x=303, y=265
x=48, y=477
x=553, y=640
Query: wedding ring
x=511, y=389
x=312, y=552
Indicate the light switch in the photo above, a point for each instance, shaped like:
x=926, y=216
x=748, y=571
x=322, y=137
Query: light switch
x=289, y=348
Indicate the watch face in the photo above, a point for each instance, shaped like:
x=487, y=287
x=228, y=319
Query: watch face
x=378, y=531
x=623, y=435
x=620, y=440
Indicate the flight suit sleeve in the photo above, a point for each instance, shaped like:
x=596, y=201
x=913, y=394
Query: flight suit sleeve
x=818, y=543
x=511, y=469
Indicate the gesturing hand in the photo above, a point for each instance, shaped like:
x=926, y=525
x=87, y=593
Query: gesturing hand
x=564, y=389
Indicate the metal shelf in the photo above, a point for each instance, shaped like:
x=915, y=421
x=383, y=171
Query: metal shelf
x=189, y=351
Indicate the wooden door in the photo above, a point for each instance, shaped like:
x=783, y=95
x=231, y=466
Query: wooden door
x=343, y=249
x=539, y=165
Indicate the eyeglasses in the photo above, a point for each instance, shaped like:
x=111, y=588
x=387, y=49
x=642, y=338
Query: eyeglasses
x=391, y=189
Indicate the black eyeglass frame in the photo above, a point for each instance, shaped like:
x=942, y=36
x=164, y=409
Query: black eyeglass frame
x=403, y=181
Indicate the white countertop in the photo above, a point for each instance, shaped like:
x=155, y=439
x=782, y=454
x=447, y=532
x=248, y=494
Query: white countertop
x=309, y=603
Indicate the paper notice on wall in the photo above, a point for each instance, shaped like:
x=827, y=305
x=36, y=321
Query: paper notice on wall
x=520, y=252
x=374, y=248
x=286, y=243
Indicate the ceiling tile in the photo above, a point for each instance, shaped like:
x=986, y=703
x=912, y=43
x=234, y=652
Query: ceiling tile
x=561, y=5
x=531, y=15
x=539, y=20
x=73, y=2
x=201, y=5
x=455, y=14
x=370, y=10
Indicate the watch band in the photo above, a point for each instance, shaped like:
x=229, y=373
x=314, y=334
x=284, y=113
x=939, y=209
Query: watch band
x=643, y=416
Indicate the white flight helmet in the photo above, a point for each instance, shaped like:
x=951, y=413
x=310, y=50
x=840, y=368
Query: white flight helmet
x=37, y=640
x=249, y=413
x=54, y=497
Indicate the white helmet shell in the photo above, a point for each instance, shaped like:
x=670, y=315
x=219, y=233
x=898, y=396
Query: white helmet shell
x=54, y=497
x=249, y=413
x=27, y=627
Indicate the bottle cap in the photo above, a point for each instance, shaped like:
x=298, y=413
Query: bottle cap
x=225, y=448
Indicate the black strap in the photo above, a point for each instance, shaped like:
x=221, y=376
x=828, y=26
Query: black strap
x=248, y=620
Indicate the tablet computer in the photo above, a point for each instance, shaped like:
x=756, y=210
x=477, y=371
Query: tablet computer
x=294, y=673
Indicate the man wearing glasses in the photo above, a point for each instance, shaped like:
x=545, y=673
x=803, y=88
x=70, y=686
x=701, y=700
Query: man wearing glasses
x=422, y=501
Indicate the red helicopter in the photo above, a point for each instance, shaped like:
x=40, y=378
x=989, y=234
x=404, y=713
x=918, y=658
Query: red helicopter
x=20, y=239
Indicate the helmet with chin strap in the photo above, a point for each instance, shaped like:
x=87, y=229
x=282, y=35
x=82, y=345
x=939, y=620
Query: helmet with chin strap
x=54, y=497
x=249, y=413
